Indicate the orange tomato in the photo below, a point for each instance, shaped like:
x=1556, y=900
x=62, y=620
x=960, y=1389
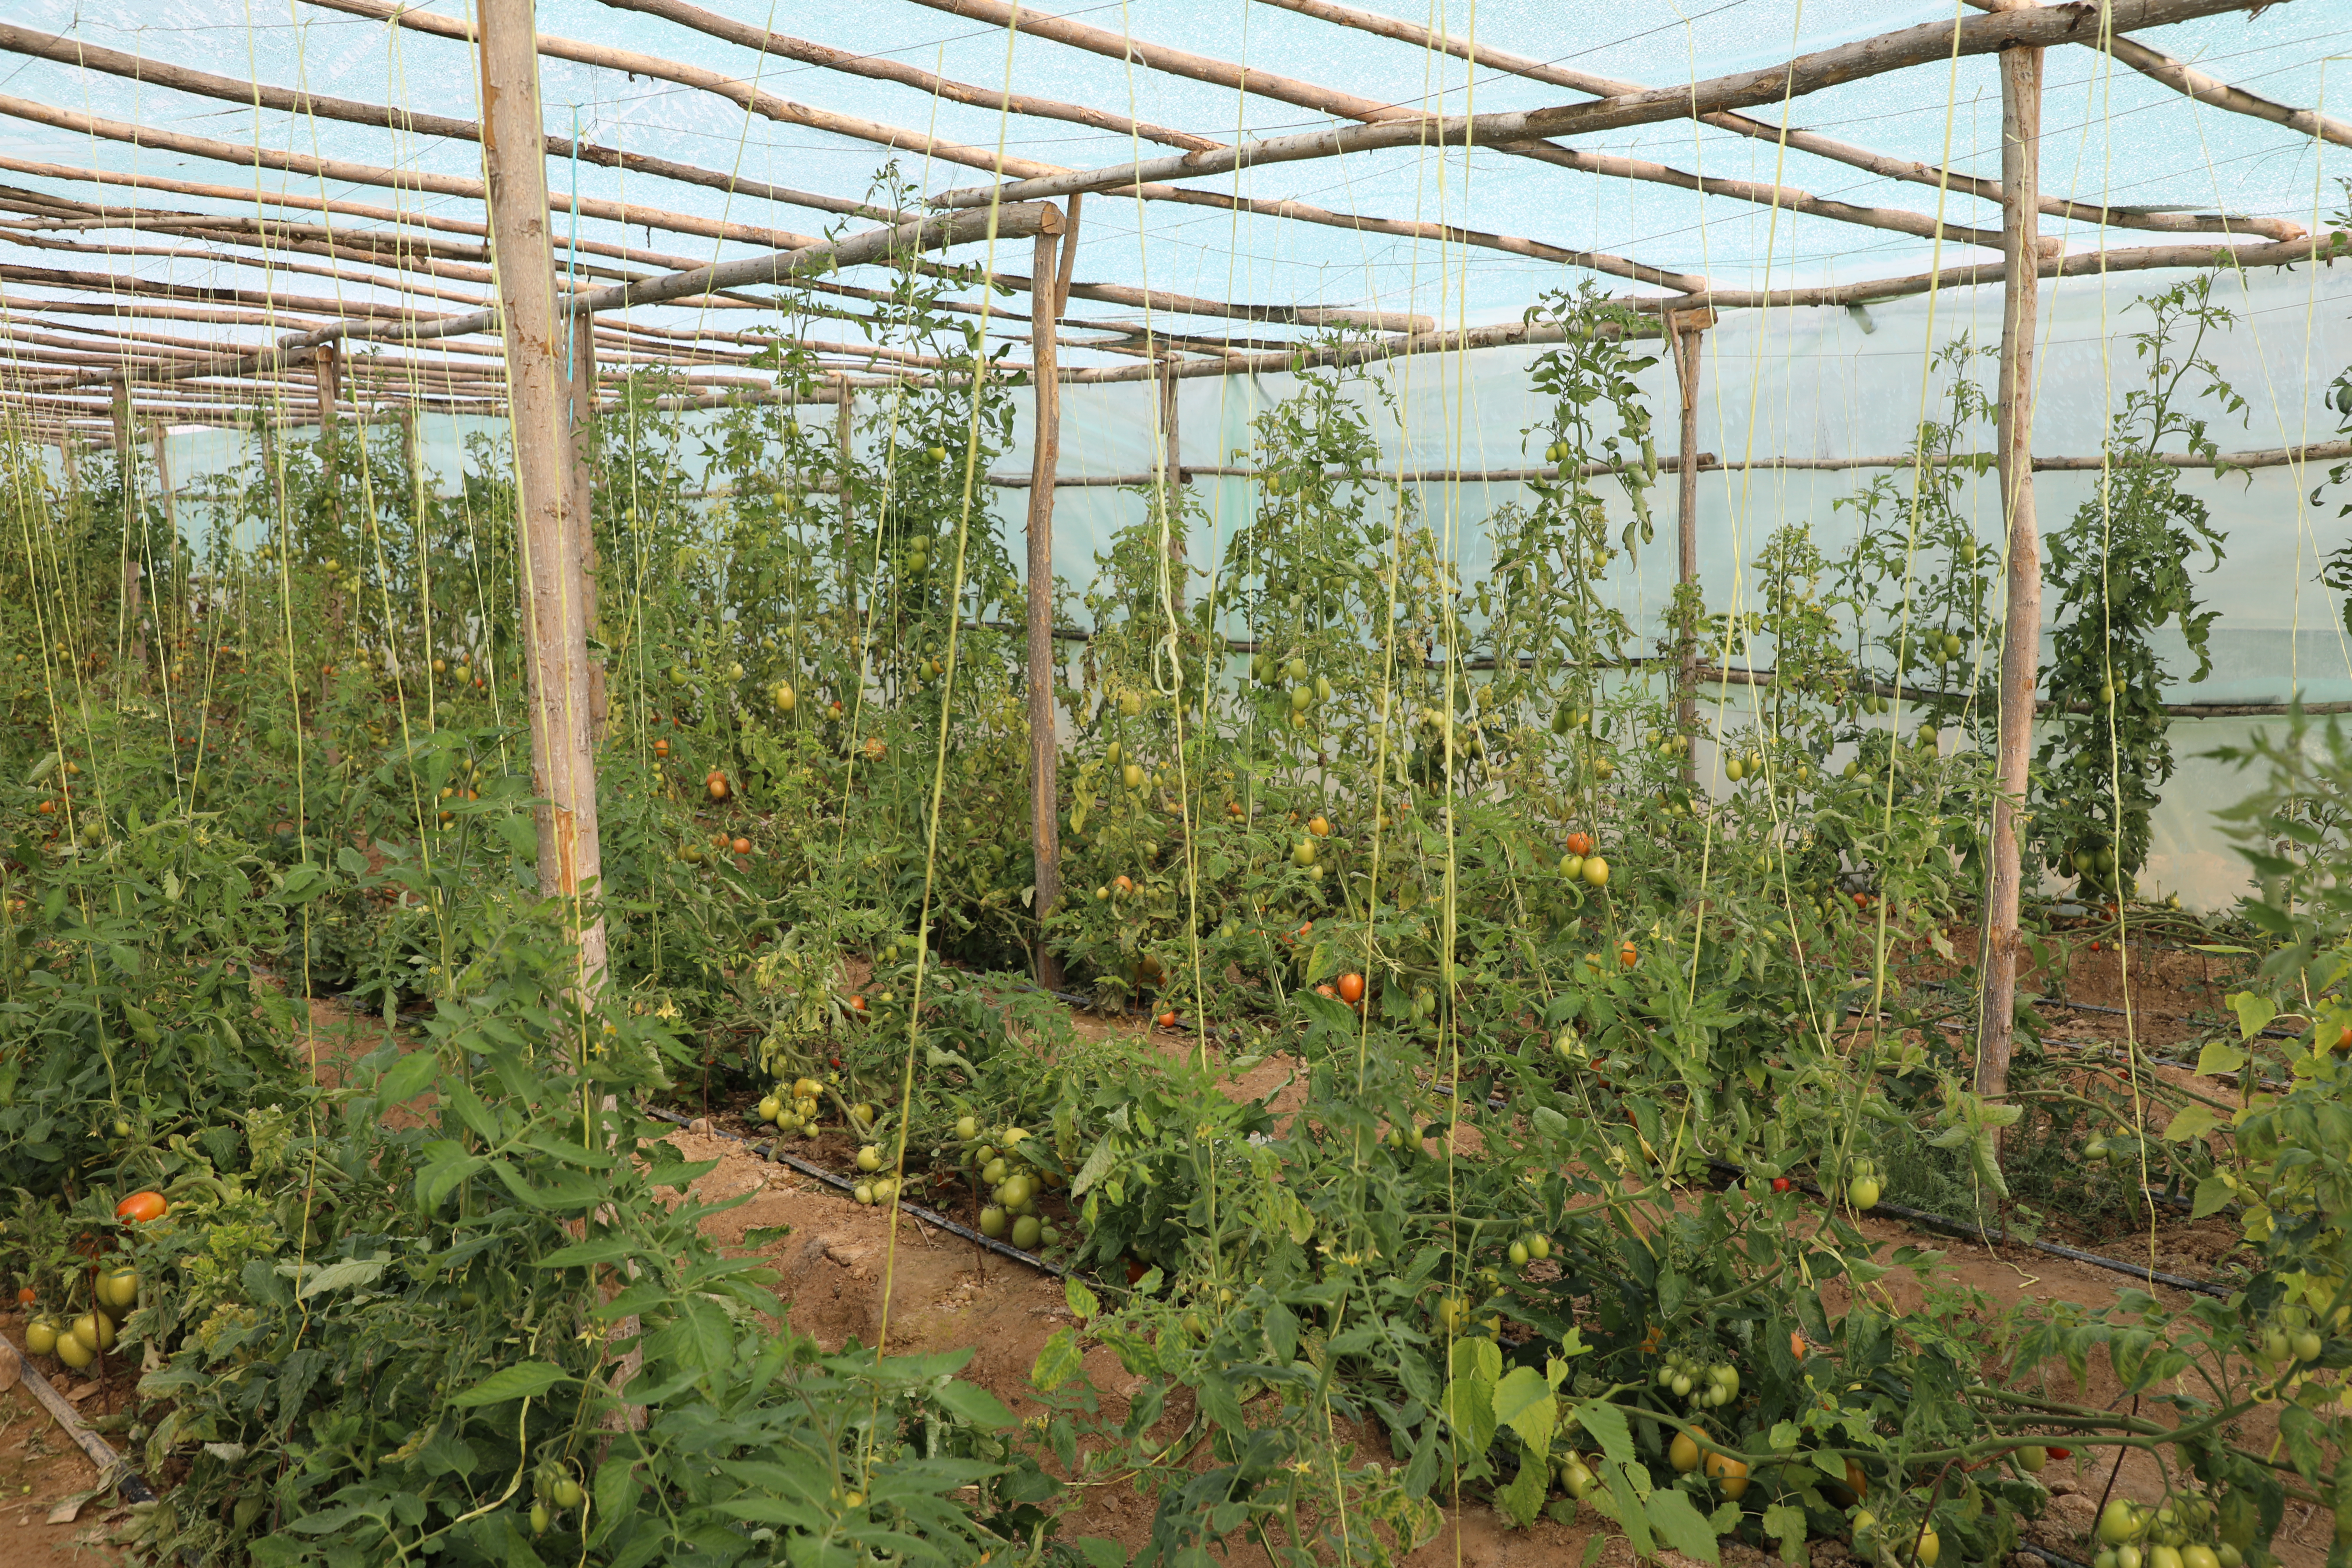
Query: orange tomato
x=857, y=1004
x=661, y=747
x=1325, y=990
x=48, y=808
x=1320, y=826
x=1168, y=1019
x=1626, y=955
x=1233, y=808
x=26, y=1295
x=1579, y=844
x=141, y=1207
x=742, y=847
x=1352, y=988
x=1124, y=884
x=875, y=748
x=717, y=785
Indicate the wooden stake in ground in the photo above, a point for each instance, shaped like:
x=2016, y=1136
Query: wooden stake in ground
x=1683, y=332
x=329, y=385
x=2021, y=639
x=1045, y=746
x=555, y=598
x=580, y=413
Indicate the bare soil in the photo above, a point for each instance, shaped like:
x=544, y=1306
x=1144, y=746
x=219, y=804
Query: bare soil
x=879, y=1277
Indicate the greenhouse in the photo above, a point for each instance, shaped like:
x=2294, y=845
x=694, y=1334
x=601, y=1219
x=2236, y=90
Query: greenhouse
x=1223, y=781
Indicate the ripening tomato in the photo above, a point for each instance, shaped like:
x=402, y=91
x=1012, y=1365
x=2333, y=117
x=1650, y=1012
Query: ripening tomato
x=138, y=1208
x=1352, y=988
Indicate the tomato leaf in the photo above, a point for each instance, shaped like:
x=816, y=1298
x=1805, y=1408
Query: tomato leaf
x=2255, y=1013
x=1058, y=1363
x=524, y=1380
x=405, y=1080
x=1523, y=1401
x=1680, y=1524
x=975, y=1405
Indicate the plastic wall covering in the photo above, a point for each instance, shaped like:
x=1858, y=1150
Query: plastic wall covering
x=1808, y=383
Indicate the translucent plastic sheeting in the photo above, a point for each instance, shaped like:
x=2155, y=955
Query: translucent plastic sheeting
x=1799, y=384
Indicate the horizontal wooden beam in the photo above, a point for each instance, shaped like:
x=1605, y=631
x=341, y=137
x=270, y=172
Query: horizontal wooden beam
x=748, y=97
x=345, y=172
x=32, y=42
x=880, y=67
x=1908, y=170
x=2039, y=28
x=2185, y=80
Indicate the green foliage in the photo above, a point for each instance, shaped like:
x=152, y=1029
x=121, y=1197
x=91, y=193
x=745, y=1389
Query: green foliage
x=2119, y=570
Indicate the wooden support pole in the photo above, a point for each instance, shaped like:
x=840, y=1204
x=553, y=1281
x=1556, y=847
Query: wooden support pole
x=1685, y=332
x=579, y=408
x=2021, y=640
x=564, y=767
x=1044, y=741
x=157, y=433
x=331, y=387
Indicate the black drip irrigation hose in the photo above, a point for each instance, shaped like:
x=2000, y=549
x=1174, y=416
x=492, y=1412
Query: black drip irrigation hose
x=775, y=1151
x=1979, y=1232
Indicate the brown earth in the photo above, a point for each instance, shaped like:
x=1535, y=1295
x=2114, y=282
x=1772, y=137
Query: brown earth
x=850, y=1272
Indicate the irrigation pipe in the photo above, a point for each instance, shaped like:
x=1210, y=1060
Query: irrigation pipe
x=132, y=1486
x=1979, y=1232
x=775, y=1151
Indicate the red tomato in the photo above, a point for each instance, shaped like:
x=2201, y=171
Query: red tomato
x=1168, y=1019
x=2062, y=1453
x=1352, y=988
x=141, y=1207
x=1781, y=1183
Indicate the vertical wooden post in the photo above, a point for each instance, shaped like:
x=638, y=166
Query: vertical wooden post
x=1683, y=331
x=1045, y=743
x=844, y=428
x=329, y=365
x=412, y=456
x=580, y=409
x=176, y=589
x=2021, y=637
x=126, y=468
x=555, y=604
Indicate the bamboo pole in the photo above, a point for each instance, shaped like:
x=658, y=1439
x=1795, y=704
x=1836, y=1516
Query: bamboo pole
x=2021, y=642
x=563, y=764
x=1044, y=743
x=1909, y=169
x=1805, y=74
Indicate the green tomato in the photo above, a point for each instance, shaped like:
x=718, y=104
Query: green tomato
x=2119, y=1522
x=1518, y=1255
x=567, y=1493
x=539, y=1518
x=992, y=1222
x=1026, y=1231
x=1863, y=1192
